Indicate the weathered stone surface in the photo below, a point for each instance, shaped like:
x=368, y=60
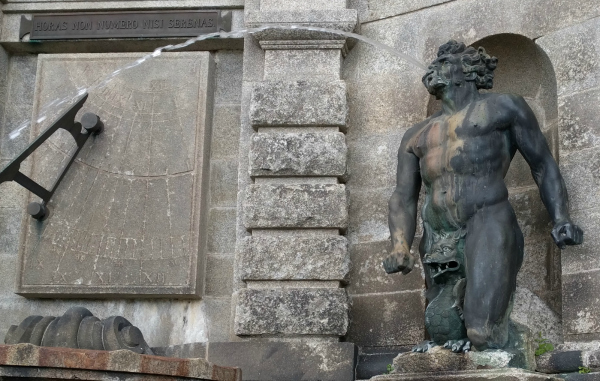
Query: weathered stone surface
x=305, y=154
x=295, y=64
x=28, y=355
x=226, y=131
x=219, y=318
x=368, y=215
x=531, y=311
x=581, y=306
x=223, y=183
x=581, y=41
x=221, y=231
x=295, y=206
x=387, y=319
x=578, y=129
x=585, y=256
x=582, y=177
x=294, y=258
x=475, y=375
x=375, y=360
x=228, y=73
x=219, y=275
x=261, y=361
x=271, y=5
x=126, y=220
x=367, y=275
x=308, y=311
x=299, y=103
x=379, y=9
x=182, y=351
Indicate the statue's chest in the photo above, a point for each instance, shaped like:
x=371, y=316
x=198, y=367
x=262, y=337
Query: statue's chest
x=447, y=135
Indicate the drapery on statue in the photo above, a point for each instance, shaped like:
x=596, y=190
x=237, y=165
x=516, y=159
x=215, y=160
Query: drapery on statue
x=472, y=246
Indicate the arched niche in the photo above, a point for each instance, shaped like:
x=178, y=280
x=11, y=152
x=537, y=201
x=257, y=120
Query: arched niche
x=524, y=69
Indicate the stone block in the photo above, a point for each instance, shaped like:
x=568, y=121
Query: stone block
x=578, y=40
x=372, y=160
x=387, y=319
x=293, y=154
x=293, y=311
x=580, y=170
x=295, y=206
x=219, y=276
x=127, y=218
x=532, y=312
x=294, y=257
x=221, y=231
x=577, y=121
x=223, y=183
x=584, y=257
x=273, y=361
x=226, y=131
x=379, y=9
x=581, y=306
x=536, y=271
x=287, y=5
x=336, y=19
x=299, y=103
x=532, y=216
x=368, y=212
x=296, y=64
x=228, y=71
x=219, y=318
x=367, y=275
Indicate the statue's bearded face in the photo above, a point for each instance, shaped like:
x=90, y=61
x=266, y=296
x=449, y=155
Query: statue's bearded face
x=442, y=72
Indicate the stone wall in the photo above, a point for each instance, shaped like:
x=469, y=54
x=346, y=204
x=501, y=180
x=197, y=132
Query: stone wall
x=165, y=321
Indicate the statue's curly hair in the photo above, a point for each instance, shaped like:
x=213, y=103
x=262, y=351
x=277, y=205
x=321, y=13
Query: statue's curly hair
x=477, y=65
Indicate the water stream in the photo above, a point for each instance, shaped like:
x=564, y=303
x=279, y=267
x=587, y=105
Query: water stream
x=44, y=110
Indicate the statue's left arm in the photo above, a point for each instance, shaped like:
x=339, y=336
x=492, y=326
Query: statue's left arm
x=532, y=144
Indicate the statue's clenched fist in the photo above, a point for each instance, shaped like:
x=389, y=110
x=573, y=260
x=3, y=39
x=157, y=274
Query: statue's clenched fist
x=567, y=233
x=398, y=261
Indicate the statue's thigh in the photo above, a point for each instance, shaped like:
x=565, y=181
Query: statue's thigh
x=493, y=253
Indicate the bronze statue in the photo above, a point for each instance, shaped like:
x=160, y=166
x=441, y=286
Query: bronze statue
x=472, y=246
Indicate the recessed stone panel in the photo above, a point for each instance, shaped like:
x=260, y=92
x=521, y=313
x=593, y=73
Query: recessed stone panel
x=305, y=154
x=127, y=219
x=300, y=311
x=294, y=258
x=581, y=306
x=295, y=206
x=299, y=103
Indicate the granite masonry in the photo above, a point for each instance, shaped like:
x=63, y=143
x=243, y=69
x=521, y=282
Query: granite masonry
x=235, y=207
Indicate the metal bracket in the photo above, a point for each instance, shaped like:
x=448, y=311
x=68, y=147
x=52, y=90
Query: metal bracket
x=25, y=27
x=92, y=125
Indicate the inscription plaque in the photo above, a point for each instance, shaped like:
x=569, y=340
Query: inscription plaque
x=124, y=24
x=127, y=219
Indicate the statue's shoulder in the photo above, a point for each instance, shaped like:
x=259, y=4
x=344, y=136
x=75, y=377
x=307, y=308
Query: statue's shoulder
x=504, y=100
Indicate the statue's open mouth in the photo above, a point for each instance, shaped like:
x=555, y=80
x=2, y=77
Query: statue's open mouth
x=438, y=268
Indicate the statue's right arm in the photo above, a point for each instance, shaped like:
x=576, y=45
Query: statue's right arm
x=402, y=216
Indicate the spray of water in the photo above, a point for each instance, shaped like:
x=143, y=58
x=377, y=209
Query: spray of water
x=237, y=33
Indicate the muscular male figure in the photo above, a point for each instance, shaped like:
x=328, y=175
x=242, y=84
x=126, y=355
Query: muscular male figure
x=461, y=154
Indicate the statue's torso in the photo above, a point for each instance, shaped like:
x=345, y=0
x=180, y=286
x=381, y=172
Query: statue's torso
x=463, y=160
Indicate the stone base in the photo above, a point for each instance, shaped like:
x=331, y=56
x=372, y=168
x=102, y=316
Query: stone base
x=286, y=361
x=439, y=359
x=28, y=361
x=478, y=375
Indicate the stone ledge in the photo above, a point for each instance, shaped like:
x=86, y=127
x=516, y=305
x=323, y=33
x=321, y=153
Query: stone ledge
x=28, y=355
x=304, y=154
x=299, y=103
x=294, y=311
x=295, y=206
x=294, y=258
x=478, y=375
x=336, y=19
